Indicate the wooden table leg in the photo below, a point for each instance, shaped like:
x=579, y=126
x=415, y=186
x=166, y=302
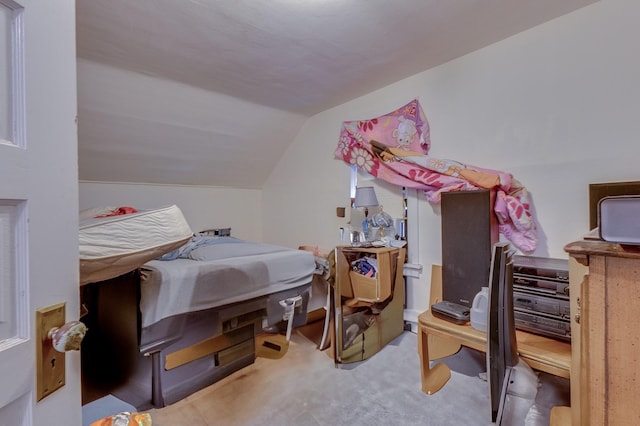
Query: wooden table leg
x=433, y=378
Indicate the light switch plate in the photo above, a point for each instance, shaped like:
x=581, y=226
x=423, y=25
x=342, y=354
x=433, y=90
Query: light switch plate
x=50, y=364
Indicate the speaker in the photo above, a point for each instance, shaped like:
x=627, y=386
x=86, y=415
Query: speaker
x=469, y=231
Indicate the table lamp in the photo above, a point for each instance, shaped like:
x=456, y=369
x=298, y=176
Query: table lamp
x=365, y=197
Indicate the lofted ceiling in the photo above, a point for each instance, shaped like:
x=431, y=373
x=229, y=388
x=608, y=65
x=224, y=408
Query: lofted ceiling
x=157, y=78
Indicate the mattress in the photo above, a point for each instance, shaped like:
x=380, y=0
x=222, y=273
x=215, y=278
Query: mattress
x=114, y=245
x=222, y=271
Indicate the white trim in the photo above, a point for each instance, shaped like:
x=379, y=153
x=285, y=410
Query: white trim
x=18, y=125
x=15, y=278
x=22, y=286
x=412, y=270
x=413, y=223
x=353, y=181
x=411, y=316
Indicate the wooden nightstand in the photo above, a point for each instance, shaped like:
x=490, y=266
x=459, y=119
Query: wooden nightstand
x=368, y=311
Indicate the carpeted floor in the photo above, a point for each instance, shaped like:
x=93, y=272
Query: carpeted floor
x=305, y=388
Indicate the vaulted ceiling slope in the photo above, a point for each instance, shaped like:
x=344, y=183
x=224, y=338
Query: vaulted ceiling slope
x=288, y=58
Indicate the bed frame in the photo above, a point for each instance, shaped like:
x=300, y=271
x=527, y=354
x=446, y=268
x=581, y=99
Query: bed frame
x=169, y=360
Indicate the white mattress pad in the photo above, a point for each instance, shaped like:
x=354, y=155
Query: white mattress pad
x=111, y=246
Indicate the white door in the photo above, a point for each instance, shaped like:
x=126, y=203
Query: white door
x=38, y=201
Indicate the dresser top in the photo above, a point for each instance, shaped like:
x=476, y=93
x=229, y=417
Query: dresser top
x=602, y=248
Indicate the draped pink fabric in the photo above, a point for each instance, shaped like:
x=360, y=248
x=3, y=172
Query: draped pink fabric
x=395, y=147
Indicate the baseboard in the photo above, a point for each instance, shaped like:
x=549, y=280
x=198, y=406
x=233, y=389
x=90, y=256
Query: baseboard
x=410, y=316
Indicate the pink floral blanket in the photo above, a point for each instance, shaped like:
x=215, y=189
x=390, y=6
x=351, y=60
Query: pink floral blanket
x=395, y=147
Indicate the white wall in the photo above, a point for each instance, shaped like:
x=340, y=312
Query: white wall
x=147, y=129
x=556, y=105
x=203, y=207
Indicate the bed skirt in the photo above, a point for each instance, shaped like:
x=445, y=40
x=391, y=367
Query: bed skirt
x=169, y=360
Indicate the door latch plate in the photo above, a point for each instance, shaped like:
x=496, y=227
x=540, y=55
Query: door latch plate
x=50, y=366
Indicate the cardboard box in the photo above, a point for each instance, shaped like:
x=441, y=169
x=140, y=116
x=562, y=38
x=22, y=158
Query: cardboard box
x=378, y=288
x=365, y=289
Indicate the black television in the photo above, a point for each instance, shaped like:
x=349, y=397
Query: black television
x=502, y=349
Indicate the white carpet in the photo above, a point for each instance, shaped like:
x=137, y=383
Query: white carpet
x=304, y=388
x=386, y=390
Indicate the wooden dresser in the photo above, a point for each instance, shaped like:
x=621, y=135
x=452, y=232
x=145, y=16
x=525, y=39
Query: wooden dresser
x=605, y=367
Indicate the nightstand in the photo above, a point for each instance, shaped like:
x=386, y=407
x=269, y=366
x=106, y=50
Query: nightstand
x=368, y=310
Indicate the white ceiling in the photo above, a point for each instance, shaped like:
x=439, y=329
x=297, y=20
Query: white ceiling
x=297, y=56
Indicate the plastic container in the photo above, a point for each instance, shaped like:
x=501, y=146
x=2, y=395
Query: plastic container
x=478, y=315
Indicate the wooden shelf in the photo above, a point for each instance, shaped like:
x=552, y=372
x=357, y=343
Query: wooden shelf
x=438, y=338
x=541, y=353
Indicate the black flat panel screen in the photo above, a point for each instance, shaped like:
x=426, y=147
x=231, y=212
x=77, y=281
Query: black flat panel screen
x=502, y=350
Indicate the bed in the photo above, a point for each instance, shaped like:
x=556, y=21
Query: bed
x=173, y=326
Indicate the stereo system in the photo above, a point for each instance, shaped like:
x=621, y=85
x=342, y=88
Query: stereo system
x=541, y=296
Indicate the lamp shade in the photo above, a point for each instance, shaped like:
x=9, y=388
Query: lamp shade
x=365, y=197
